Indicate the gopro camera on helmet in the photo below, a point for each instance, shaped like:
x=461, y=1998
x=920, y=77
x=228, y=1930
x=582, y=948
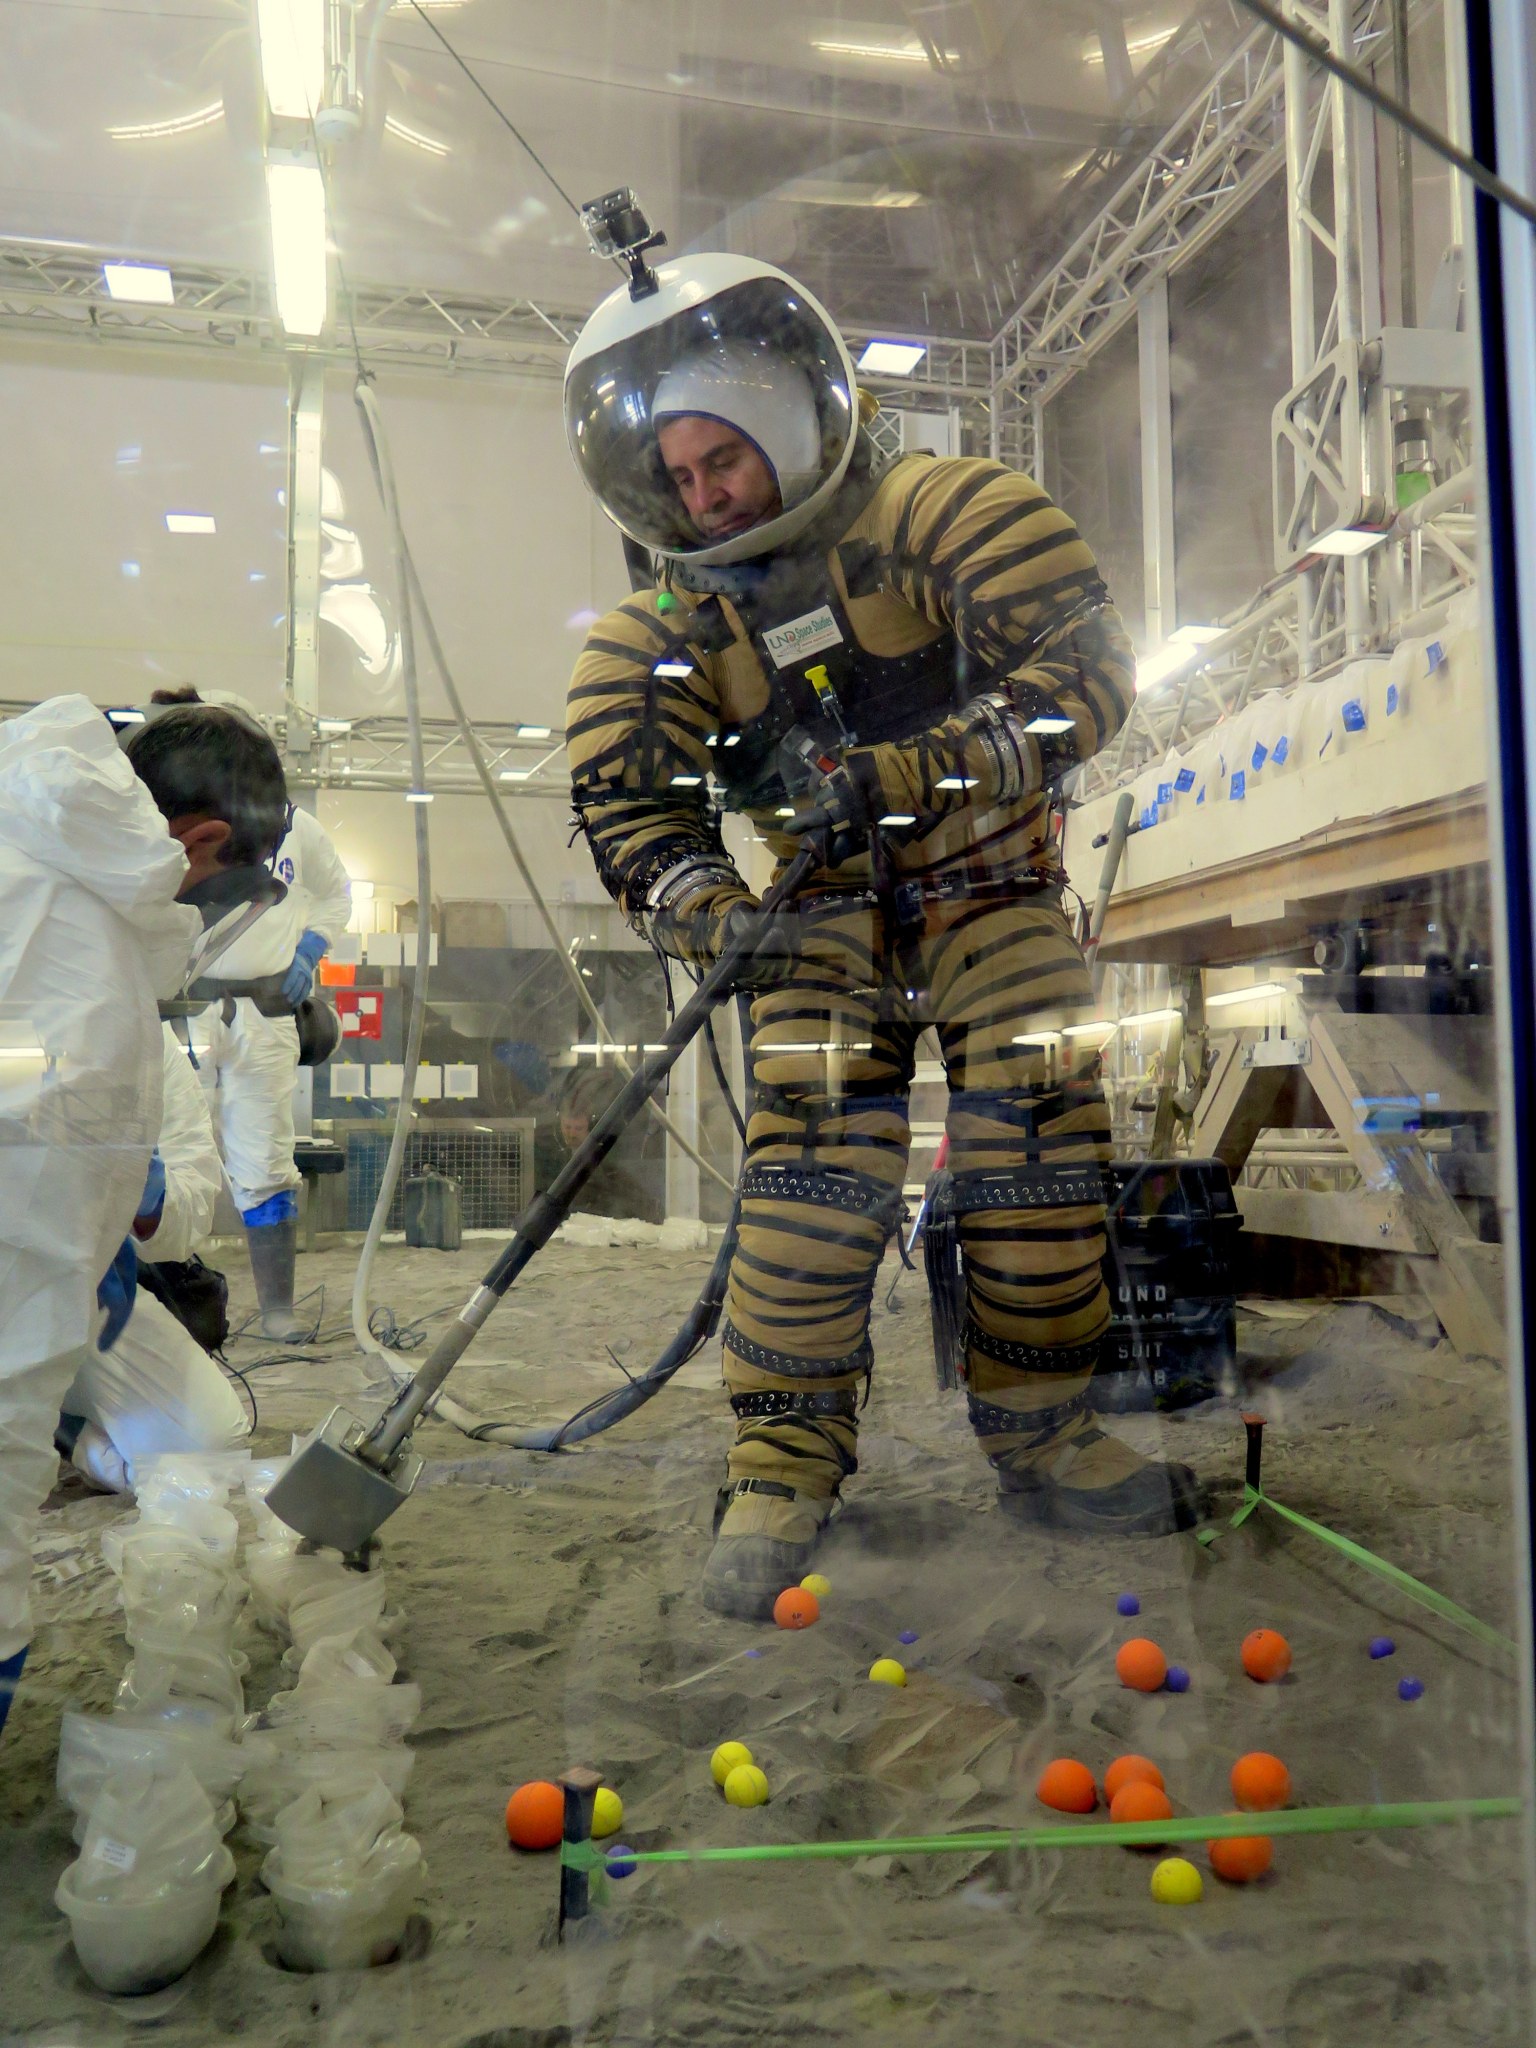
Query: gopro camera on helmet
x=617, y=227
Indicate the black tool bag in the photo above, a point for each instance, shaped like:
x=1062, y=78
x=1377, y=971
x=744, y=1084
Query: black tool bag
x=1170, y=1267
x=196, y=1295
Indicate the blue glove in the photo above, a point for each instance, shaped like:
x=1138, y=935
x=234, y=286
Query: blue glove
x=300, y=978
x=116, y=1291
x=152, y=1201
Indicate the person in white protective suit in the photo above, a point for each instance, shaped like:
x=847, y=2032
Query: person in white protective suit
x=157, y=1391
x=93, y=856
x=254, y=1059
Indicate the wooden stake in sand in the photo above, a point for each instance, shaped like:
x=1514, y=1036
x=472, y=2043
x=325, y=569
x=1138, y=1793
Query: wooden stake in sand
x=580, y=1788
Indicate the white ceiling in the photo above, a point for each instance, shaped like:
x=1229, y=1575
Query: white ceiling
x=740, y=123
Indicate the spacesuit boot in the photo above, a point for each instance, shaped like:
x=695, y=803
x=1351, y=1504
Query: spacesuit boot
x=274, y=1249
x=795, y=1444
x=1055, y=1465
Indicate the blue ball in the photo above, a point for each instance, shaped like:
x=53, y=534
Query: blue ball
x=1177, y=1679
x=1410, y=1688
x=621, y=1861
x=1383, y=1646
x=1127, y=1604
x=754, y=1653
x=908, y=1635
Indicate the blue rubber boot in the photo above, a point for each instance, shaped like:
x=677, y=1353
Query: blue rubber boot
x=10, y=1678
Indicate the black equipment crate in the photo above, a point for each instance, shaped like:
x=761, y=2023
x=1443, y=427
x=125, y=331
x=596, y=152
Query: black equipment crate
x=1170, y=1265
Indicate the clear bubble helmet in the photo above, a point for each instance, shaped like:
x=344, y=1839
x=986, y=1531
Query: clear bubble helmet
x=725, y=338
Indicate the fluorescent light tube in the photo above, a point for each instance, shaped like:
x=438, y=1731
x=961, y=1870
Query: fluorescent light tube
x=190, y=522
x=292, y=38
x=296, y=205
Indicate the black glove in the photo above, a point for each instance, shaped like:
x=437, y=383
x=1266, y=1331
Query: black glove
x=771, y=961
x=836, y=820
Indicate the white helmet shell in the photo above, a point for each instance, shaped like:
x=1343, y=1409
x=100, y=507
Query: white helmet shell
x=727, y=338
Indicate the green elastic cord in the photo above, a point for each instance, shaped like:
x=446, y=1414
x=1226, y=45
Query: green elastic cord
x=1141, y=1834
x=1438, y=1603
x=582, y=1856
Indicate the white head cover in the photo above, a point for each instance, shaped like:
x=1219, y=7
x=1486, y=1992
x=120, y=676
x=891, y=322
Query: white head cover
x=760, y=393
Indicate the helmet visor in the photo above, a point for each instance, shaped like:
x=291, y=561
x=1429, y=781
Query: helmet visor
x=755, y=358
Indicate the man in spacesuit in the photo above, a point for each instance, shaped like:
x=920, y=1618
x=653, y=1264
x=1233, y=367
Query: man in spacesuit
x=899, y=661
x=254, y=1059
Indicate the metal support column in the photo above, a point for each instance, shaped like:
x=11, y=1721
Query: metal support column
x=683, y=1109
x=1158, y=565
x=1298, y=178
x=1349, y=148
x=306, y=423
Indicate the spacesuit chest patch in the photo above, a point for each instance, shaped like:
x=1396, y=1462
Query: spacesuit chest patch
x=796, y=638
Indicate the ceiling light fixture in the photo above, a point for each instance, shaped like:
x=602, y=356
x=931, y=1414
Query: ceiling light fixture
x=181, y=124
x=292, y=39
x=1195, y=636
x=418, y=796
x=139, y=284
x=893, y=358
x=1167, y=662
x=1347, y=540
x=415, y=138
x=535, y=732
x=296, y=204
x=883, y=53
x=1261, y=992
x=190, y=522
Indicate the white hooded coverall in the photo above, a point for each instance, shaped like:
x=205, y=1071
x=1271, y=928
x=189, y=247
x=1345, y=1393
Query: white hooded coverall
x=90, y=935
x=252, y=1058
x=157, y=1390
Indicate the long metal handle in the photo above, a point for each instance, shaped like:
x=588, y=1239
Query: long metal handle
x=546, y=1212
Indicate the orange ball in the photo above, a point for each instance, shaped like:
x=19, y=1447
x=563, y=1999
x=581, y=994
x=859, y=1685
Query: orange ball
x=795, y=1608
x=1067, y=1786
x=1141, y=1801
x=1260, y=1782
x=1141, y=1665
x=1241, y=1858
x=1266, y=1654
x=536, y=1815
x=1127, y=1770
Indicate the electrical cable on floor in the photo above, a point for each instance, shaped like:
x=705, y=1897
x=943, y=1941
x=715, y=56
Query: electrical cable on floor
x=1421, y=130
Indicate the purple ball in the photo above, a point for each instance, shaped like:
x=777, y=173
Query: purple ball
x=1410, y=1688
x=908, y=1635
x=1127, y=1604
x=754, y=1653
x=1177, y=1679
x=620, y=1861
x=1383, y=1646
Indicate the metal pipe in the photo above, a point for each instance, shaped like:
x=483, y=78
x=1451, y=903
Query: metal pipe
x=1407, y=251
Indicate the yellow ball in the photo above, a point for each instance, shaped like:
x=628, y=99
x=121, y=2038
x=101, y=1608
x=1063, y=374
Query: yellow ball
x=886, y=1671
x=746, y=1786
x=607, y=1813
x=726, y=1758
x=813, y=1582
x=1176, y=1882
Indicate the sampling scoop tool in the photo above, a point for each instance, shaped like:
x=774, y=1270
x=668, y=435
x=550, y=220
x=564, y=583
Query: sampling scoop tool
x=350, y=1475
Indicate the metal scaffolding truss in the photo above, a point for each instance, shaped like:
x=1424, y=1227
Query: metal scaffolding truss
x=375, y=754
x=1207, y=166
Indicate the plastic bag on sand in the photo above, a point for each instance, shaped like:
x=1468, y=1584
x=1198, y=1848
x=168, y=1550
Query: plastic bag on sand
x=277, y=1772
x=172, y=1583
x=344, y=1697
x=180, y=1682
x=93, y=1749
x=271, y=1532
x=337, y=1605
x=343, y=1877
x=143, y=1895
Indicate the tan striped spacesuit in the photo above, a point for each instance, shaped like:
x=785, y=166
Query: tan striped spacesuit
x=957, y=923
